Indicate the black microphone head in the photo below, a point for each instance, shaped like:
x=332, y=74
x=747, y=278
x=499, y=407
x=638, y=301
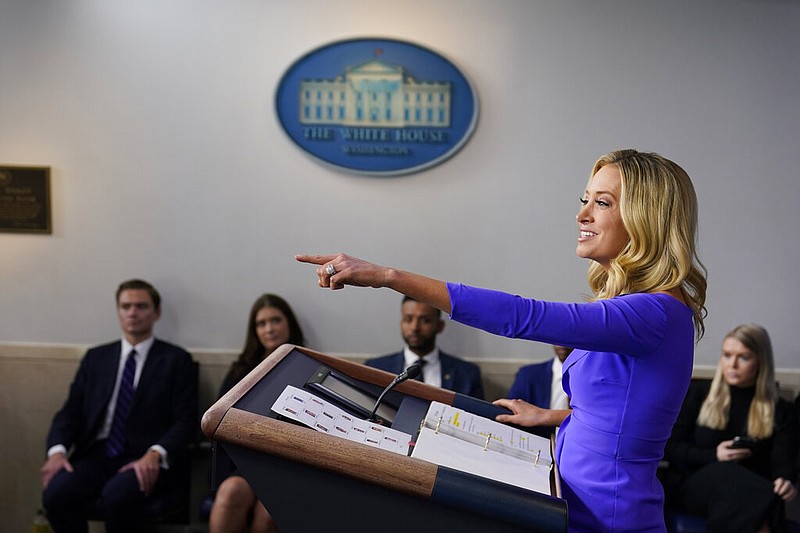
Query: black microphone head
x=414, y=371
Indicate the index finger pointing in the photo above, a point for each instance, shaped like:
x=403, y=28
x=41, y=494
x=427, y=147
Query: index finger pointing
x=314, y=259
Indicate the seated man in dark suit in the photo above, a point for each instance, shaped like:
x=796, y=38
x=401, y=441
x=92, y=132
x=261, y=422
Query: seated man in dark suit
x=540, y=383
x=419, y=325
x=127, y=423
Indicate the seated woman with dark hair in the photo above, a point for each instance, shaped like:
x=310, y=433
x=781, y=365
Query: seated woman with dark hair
x=732, y=450
x=271, y=324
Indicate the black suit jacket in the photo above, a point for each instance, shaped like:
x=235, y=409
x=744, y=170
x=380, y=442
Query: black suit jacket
x=164, y=409
x=457, y=375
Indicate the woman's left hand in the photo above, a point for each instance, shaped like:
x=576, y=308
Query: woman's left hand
x=785, y=489
x=527, y=414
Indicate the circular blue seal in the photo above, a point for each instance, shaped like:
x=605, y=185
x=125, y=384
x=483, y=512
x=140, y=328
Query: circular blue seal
x=379, y=107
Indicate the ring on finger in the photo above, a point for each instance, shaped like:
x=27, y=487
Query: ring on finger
x=330, y=270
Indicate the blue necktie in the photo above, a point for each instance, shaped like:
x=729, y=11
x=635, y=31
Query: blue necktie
x=116, y=437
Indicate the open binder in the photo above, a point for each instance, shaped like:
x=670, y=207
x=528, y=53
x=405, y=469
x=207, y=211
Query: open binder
x=467, y=442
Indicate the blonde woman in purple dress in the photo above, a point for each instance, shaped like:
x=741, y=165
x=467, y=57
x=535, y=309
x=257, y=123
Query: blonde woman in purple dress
x=633, y=342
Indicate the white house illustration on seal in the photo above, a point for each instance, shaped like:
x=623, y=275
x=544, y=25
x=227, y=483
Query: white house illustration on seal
x=375, y=94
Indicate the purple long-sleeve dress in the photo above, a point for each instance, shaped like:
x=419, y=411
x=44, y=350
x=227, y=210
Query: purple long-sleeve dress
x=626, y=379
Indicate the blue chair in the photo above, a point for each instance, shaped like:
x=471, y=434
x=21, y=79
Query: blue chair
x=680, y=522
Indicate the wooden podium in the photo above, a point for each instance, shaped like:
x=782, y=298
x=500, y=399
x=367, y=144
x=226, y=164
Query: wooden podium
x=311, y=481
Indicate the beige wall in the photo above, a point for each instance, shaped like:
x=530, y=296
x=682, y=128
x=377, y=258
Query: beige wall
x=34, y=380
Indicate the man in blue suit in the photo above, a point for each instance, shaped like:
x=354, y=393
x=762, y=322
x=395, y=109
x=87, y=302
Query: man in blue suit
x=540, y=383
x=419, y=325
x=123, y=433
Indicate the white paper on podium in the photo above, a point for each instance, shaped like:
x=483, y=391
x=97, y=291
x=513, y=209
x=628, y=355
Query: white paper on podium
x=316, y=413
x=470, y=443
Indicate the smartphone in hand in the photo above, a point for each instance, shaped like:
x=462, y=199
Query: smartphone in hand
x=743, y=442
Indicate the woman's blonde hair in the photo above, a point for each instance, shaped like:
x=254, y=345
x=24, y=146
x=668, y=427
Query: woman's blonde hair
x=761, y=417
x=658, y=206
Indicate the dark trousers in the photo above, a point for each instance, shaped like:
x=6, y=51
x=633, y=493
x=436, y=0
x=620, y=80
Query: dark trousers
x=95, y=481
x=732, y=498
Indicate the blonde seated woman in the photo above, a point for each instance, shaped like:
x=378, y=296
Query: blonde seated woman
x=739, y=487
x=272, y=323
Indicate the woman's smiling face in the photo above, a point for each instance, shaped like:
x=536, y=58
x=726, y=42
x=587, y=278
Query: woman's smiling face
x=602, y=235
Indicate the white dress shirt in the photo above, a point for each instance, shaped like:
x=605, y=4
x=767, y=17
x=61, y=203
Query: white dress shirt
x=558, y=398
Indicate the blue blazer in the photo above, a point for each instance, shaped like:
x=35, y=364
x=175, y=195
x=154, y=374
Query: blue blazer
x=164, y=409
x=457, y=375
x=533, y=383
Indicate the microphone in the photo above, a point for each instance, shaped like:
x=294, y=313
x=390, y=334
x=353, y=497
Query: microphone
x=411, y=372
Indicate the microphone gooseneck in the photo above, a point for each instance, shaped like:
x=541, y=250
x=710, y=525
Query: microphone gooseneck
x=409, y=373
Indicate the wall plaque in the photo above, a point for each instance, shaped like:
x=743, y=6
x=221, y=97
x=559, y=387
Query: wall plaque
x=25, y=200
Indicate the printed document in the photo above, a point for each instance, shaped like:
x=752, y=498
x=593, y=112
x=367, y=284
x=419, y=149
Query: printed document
x=316, y=413
x=464, y=441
